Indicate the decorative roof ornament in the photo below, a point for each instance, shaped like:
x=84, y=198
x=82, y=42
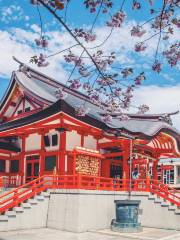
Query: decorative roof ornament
x=60, y=94
x=142, y=109
x=166, y=118
x=24, y=69
x=124, y=117
x=81, y=111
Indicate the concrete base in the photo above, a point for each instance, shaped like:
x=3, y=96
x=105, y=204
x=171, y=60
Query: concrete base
x=84, y=210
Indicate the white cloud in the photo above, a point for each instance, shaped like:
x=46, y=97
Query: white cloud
x=20, y=43
x=13, y=13
x=160, y=100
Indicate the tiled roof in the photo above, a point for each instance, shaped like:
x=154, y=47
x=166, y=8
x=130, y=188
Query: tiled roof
x=43, y=87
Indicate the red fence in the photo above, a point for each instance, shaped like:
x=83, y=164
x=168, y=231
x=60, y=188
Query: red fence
x=29, y=190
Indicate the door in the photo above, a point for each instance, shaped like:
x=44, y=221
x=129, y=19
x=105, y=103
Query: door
x=32, y=170
x=115, y=171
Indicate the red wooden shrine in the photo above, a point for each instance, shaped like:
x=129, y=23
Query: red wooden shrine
x=41, y=135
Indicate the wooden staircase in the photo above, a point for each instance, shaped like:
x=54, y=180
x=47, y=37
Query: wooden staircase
x=30, y=192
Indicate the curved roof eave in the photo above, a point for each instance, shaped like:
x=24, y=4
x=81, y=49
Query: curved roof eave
x=29, y=90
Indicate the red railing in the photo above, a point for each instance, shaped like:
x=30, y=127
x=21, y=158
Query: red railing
x=18, y=195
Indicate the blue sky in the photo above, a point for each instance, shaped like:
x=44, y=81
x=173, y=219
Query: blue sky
x=19, y=25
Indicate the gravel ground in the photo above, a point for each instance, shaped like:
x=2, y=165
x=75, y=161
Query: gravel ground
x=52, y=234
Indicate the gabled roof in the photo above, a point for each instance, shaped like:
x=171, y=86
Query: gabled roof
x=9, y=146
x=43, y=87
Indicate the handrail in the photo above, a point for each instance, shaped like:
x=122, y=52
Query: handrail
x=20, y=187
x=18, y=195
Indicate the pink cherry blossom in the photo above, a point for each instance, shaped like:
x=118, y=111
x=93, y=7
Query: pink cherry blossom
x=139, y=79
x=75, y=84
x=156, y=67
x=117, y=19
x=143, y=109
x=126, y=72
x=136, y=5
x=123, y=117
x=60, y=94
x=140, y=47
x=137, y=31
x=107, y=119
x=88, y=36
x=40, y=61
x=81, y=111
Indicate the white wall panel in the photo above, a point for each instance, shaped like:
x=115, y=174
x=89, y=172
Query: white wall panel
x=90, y=142
x=33, y=142
x=73, y=139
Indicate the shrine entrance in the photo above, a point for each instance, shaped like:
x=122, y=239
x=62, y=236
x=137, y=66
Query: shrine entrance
x=32, y=167
x=115, y=171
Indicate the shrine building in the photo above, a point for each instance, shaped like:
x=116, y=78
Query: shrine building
x=41, y=135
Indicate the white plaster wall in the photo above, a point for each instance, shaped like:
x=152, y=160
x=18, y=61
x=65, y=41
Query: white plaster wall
x=9, y=111
x=19, y=108
x=90, y=142
x=103, y=140
x=27, y=104
x=53, y=148
x=7, y=168
x=73, y=139
x=33, y=142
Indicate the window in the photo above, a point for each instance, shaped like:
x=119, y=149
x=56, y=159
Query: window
x=19, y=112
x=50, y=163
x=14, y=166
x=32, y=157
x=54, y=140
x=46, y=141
x=2, y=165
x=27, y=109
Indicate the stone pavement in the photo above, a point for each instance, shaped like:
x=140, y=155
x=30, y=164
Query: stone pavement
x=52, y=234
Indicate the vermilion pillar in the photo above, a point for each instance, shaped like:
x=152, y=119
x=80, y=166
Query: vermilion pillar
x=41, y=163
x=126, y=157
x=62, y=152
x=155, y=170
x=22, y=160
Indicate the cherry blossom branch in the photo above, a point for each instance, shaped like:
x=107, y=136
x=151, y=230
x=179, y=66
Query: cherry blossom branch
x=160, y=34
x=54, y=54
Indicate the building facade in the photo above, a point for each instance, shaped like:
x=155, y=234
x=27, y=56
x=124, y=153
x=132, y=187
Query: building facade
x=40, y=134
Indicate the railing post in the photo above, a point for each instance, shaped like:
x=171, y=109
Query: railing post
x=97, y=183
x=15, y=197
x=148, y=184
x=1, y=183
x=124, y=183
x=54, y=177
x=79, y=179
x=34, y=188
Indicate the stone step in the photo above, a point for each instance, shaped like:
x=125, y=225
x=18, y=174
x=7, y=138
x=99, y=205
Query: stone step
x=165, y=204
x=3, y=218
x=26, y=205
x=32, y=201
x=158, y=200
x=172, y=208
x=152, y=197
x=45, y=194
x=10, y=213
x=39, y=198
x=177, y=211
x=18, y=209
